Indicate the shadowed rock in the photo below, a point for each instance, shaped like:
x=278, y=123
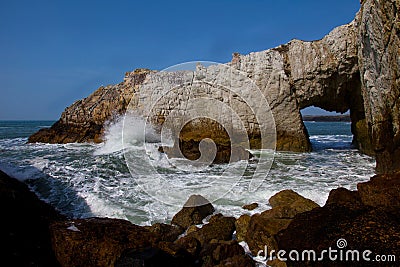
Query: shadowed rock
x=218, y=227
x=24, y=226
x=259, y=230
x=193, y=212
x=98, y=241
x=365, y=219
x=251, y=206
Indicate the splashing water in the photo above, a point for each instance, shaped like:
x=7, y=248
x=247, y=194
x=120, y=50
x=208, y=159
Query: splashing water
x=84, y=180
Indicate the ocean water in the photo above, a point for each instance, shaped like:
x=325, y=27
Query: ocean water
x=84, y=180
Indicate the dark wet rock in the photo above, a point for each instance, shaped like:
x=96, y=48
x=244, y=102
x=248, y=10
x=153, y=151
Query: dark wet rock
x=237, y=261
x=251, y=206
x=190, y=244
x=262, y=228
x=368, y=219
x=98, y=241
x=193, y=212
x=166, y=232
x=363, y=229
x=344, y=197
x=152, y=257
x=24, y=226
x=242, y=224
x=224, y=253
x=261, y=231
x=381, y=190
x=289, y=198
x=218, y=228
x=276, y=263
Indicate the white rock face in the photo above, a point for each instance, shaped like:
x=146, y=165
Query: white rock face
x=355, y=67
x=378, y=26
x=290, y=77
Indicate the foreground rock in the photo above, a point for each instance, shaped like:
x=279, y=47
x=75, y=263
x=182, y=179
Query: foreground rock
x=193, y=212
x=353, y=216
x=24, y=226
x=97, y=241
x=260, y=230
x=113, y=242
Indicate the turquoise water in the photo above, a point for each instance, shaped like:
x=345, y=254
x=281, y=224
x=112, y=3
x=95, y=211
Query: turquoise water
x=83, y=180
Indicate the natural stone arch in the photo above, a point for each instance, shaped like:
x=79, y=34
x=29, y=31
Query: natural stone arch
x=300, y=74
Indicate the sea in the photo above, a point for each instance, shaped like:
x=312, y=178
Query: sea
x=84, y=180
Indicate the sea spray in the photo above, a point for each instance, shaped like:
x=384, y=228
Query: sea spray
x=139, y=132
x=81, y=182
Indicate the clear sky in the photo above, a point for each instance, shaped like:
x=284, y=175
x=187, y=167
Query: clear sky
x=55, y=52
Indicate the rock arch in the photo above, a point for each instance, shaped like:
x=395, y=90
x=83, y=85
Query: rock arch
x=322, y=73
x=355, y=67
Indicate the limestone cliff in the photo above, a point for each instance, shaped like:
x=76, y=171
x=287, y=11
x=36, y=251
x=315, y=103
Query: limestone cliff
x=84, y=120
x=293, y=76
x=378, y=32
x=324, y=73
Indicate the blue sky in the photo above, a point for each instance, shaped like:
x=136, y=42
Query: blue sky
x=55, y=52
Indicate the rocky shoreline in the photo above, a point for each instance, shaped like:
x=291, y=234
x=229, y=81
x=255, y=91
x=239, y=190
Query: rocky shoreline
x=354, y=67
x=368, y=219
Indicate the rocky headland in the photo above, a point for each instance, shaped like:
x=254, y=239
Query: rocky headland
x=355, y=67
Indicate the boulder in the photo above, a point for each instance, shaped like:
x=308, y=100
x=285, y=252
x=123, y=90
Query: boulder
x=223, y=252
x=363, y=229
x=261, y=229
x=242, y=224
x=251, y=206
x=193, y=212
x=218, y=228
x=166, y=232
x=237, y=261
x=98, y=241
x=190, y=244
x=152, y=257
x=289, y=198
x=368, y=219
x=344, y=197
x=381, y=191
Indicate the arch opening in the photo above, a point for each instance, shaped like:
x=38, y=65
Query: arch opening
x=328, y=130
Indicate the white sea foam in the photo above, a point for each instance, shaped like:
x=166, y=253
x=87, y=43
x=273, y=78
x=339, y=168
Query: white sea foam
x=84, y=180
x=126, y=130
